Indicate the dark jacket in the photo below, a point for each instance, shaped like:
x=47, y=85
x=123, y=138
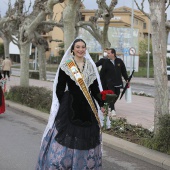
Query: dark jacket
x=111, y=74
x=0, y=75
x=101, y=61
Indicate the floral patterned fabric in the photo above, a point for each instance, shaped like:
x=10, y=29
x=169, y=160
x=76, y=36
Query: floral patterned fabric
x=54, y=156
x=2, y=101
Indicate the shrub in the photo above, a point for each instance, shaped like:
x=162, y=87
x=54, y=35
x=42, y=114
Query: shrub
x=34, y=74
x=133, y=133
x=35, y=97
x=161, y=140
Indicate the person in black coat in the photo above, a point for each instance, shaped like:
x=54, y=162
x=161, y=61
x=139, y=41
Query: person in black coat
x=102, y=60
x=111, y=74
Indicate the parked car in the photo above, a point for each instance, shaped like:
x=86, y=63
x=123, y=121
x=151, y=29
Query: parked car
x=168, y=72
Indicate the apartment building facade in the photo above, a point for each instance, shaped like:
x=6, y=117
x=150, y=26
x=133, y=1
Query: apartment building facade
x=121, y=19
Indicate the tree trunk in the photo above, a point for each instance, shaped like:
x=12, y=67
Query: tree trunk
x=69, y=21
x=24, y=55
x=42, y=62
x=157, y=9
x=105, y=40
x=6, y=42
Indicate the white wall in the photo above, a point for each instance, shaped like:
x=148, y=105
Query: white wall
x=13, y=49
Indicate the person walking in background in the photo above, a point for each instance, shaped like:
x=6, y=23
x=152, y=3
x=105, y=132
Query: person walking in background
x=2, y=100
x=102, y=60
x=6, y=67
x=72, y=138
x=111, y=75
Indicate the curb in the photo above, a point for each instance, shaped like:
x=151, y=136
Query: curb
x=151, y=156
x=142, y=83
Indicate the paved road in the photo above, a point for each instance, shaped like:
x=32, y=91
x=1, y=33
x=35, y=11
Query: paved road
x=147, y=89
x=50, y=75
x=20, y=137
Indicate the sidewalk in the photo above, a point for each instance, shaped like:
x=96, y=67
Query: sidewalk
x=146, y=81
x=140, y=111
x=134, y=112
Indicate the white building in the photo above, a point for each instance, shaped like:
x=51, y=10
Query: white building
x=168, y=50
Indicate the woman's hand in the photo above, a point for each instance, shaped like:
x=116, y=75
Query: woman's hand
x=103, y=109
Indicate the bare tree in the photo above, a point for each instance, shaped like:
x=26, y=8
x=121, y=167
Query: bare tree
x=160, y=28
x=27, y=28
x=7, y=28
x=42, y=47
x=6, y=42
x=104, y=12
x=69, y=21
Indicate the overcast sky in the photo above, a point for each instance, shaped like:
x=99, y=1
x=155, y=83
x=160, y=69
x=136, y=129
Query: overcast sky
x=89, y=4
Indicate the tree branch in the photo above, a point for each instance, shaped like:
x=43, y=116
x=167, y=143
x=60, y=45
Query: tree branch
x=15, y=41
x=28, y=8
x=142, y=9
x=95, y=34
x=167, y=5
x=85, y=23
x=57, y=24
x=91, y=28
x=4, y=20
x=51, y=3
x=168, y=24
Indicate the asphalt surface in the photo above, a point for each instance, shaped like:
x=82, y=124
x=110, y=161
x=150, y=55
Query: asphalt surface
x=139, y=111
x=21, y=134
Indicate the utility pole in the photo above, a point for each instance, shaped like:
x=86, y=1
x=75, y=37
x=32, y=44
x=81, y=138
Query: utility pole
x=132, y=43
x=148, y=52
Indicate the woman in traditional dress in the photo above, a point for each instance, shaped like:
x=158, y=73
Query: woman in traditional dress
x=2, y=100
x=72, y=139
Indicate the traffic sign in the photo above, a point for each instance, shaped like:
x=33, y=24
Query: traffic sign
x=132, y=51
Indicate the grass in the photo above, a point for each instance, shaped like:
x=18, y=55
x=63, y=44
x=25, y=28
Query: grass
x=142, y=72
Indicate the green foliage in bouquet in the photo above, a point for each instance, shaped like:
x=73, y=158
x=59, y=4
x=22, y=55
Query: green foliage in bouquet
x=107, y=96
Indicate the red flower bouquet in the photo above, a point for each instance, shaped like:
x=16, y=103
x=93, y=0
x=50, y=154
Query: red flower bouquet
x=107, y=96
x=105, y=92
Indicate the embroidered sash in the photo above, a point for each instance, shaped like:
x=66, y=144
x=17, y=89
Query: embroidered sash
x=71, y=65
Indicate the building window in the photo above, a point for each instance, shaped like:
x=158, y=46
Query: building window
x=140, y=23
x=82, y=17
x=144, y=25
x=136, y=21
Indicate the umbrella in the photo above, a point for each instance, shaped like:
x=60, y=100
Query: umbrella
x=126, y=86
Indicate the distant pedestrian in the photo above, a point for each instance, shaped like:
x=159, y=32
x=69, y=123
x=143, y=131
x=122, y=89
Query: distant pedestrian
x=6, y=67
x=2, y=100
x=103, y=59
x=111, y=74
